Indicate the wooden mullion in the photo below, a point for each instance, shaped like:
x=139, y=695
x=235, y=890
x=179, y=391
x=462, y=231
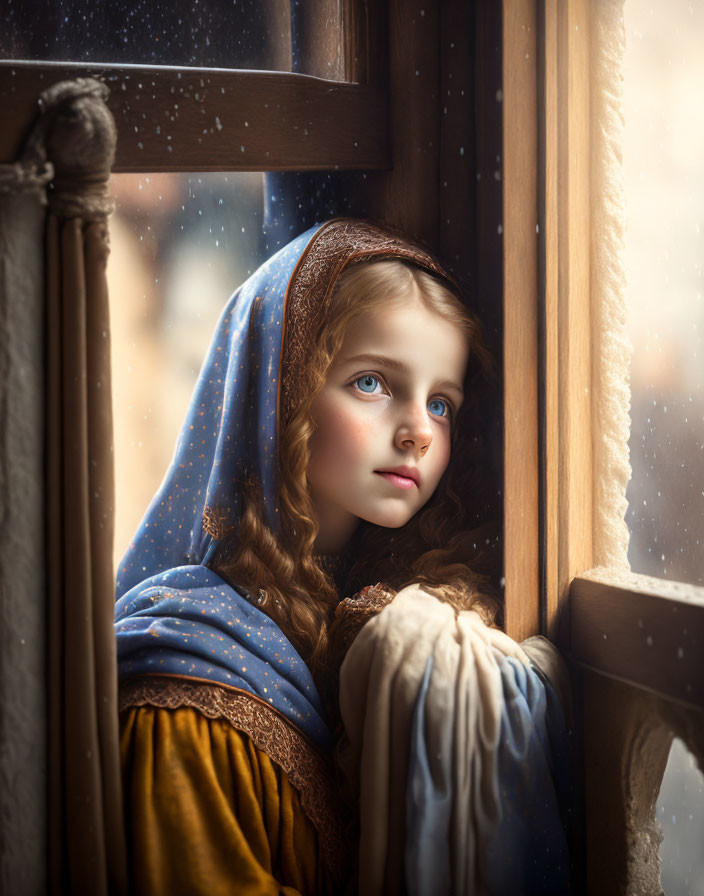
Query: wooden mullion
x=322, y=49
x=355, y=46
x=566, y=466
x=407, y=196
x=190, y=119
x=520, y=161
x=549, y=337
x=366, y=42
x=575, y=474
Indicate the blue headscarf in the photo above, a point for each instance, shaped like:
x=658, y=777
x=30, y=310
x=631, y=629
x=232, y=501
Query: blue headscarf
x=174, y=615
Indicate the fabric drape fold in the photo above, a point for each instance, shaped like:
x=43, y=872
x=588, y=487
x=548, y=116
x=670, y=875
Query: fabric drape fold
x=480, y=802
x=86, y=837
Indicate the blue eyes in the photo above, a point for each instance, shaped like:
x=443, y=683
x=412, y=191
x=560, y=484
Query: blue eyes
x=444, y=407
x=368, y=383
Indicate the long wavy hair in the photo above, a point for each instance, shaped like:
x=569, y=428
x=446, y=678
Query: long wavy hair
x=440, y=547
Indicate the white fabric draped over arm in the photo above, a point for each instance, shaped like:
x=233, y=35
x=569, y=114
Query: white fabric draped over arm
x=438, y=708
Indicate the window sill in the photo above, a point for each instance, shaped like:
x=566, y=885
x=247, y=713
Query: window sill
x=643, y=631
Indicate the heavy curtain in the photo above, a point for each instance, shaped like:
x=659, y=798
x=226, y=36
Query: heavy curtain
x=75, y=137
x=86, y=837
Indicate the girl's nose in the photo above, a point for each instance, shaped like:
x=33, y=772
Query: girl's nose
x=415, y=432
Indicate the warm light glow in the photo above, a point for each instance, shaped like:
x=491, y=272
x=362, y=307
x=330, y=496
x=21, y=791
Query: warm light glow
x=664, y=256
x=180, y=245
x=664, y=259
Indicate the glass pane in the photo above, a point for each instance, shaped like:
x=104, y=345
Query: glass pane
x=248, y=34
x=180, y=246
x=664, y=254
x=680, y=811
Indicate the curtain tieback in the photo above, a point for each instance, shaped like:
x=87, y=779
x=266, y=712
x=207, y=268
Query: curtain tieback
x=76, y=137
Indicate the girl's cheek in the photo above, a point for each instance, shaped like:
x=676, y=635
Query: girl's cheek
x=347, y=433
x=352, y=419
x=352, y=436
x=340, y=434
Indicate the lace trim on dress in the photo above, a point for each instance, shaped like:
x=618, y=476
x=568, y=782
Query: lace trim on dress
x=352, y=613
x=307, y=770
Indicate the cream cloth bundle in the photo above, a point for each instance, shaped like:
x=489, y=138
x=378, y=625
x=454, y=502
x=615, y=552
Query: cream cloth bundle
x=421, y=698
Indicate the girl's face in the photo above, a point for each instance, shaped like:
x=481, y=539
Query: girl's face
x=384, y=419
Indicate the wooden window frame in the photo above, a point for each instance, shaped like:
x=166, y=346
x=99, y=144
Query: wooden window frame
x=296, y=121
x=599, y=615
x=185, y=118
x=173, y=118
x=633, y=643
x=201, y=119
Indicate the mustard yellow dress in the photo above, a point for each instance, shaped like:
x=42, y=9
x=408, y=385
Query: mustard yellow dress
x=208, y=811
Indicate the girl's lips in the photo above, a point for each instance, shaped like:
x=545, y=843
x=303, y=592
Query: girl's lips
x=397, y=480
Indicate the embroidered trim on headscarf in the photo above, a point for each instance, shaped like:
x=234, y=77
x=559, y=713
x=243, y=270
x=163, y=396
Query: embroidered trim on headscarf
x=338, y=243
x=307, y=770
x=216, y=523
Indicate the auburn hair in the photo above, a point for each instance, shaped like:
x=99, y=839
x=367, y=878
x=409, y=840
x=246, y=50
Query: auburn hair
x=440, y=547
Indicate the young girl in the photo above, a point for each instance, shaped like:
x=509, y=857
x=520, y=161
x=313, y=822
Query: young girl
x=311, y=492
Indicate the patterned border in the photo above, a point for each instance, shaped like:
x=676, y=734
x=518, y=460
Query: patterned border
x=308, y=771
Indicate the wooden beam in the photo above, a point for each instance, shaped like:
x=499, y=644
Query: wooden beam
x=190, y=119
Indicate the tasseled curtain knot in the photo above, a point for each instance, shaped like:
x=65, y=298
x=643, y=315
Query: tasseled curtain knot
x=77, y=134
x=80, y=195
